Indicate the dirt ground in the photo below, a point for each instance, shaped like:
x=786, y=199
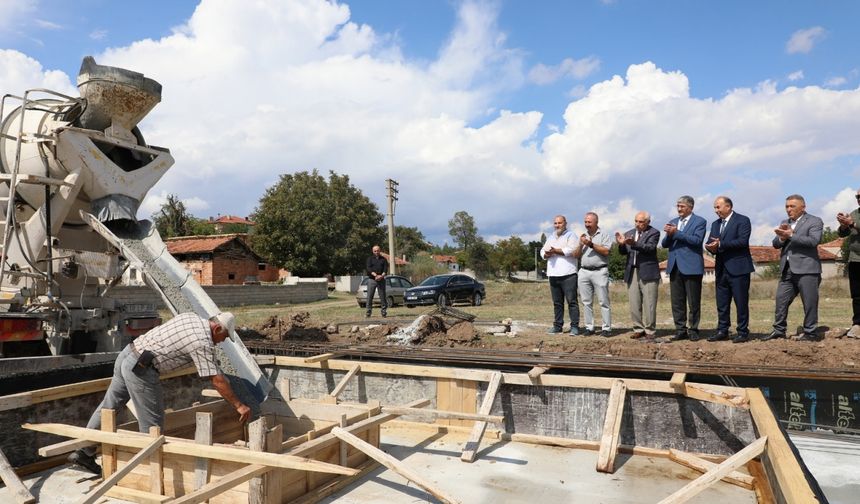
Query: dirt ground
x=834, y=351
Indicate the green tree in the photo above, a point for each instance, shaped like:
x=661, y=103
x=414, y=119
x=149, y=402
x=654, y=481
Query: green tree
x=477, y=257
x=422, y=266
x=828, y=235
x=313, y=226
x=463, y=230
x=409, y=241
x=511, y=255
x=173, y=219
x=617, y=263
x=202, y=227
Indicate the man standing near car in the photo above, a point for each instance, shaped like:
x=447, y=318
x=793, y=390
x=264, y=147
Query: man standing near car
x=594, y=247
x=377, y=267
x=560, y=252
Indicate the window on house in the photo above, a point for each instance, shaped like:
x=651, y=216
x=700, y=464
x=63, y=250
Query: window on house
x=231, y=276
x=261, y=266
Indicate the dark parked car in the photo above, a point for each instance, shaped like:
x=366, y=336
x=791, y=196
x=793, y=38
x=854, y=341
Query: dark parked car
x=395, y=286
x=445, y=290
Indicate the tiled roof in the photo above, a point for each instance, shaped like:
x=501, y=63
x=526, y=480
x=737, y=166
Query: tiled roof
x=764, y=254
x=232, y=219
x=709, y=263
x=397, y=261
x=444, y=259
x=837, y=243
x=200, y=244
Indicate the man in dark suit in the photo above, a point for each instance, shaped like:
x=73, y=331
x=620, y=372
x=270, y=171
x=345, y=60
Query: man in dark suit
x=729, y=241
x=797, y=239
x=686, y=267
x=642, y=274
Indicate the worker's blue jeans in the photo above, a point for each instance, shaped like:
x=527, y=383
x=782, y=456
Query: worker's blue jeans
x=143, y=388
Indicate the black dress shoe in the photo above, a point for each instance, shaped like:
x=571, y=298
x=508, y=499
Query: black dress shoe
x=773, y=335
x=741, y=338
x=88, y=462
x=719, y=336
x=681, y=335
x=588, y=332
x=809, y=337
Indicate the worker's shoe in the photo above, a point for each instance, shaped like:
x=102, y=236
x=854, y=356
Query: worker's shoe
x=88, y=462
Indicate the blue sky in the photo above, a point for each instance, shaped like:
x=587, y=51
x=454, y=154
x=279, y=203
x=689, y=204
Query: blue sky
x=513, y=111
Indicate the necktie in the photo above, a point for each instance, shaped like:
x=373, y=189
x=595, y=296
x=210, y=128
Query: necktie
x=635, y=252
x=682, y=224
x=722, y=226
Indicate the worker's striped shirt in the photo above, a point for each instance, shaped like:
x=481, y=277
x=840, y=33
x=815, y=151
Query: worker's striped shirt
x=184, y=339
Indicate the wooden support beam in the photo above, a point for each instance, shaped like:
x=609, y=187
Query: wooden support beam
x=320, y=358
x=321, y=492
x=20, y=493
x=64, y=447
x=138, y=496
x=135, y=440
x=257, y=442
x=677, y=382
x=710, y=394
x=702, y=465
x=273, y=479
x=611, y=428
x=203, y=436
x=156, y=465
x=96, y=493
x=471, y=448
x=537, y=371
x=717, y=473
x=348, y=376
x=393, y=464
x=456, y=415
x=344, y=447
x=223, y=484
x=108, y=450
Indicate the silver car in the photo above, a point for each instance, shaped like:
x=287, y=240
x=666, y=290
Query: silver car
x=395, y=286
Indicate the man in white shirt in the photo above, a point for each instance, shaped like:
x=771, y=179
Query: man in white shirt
x=560, y=251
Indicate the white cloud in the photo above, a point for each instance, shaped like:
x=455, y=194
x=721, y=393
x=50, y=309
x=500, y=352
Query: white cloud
x=153, y=202
x=835, y=82
x=47, y=25
x=13, y=11
x=576, y=69
x=795, y=76
x=98, y=34
x=802, y=41
x=20, y=72
x=844, y=202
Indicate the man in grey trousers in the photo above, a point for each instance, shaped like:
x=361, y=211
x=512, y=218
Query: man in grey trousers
x=186, y=338
x=800, y=268
x=641, y=274
x=594, y=247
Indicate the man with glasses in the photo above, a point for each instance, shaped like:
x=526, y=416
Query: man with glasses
x=849, y=227
x=686, y=267
x=560, y=251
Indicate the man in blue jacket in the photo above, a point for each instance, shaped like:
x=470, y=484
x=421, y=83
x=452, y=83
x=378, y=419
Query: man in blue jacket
x=729, y=241
x=686, y=267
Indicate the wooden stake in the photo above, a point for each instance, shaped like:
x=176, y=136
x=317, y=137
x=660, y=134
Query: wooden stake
x=677, y=382
x=202, y=435
x=142, y=455
x=717, y=473
x=22, y=495
x=63, y=447
x=393, y=464
x=257, y=442
x=537, y=371
x=320, y=358
x=611, y=428
x=702, y=465
x=156, y=480
x=272, y=479
x=108, y=451
x=342, y=385
x=471, y=448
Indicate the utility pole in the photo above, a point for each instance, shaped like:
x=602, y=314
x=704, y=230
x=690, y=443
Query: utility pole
x=391, y=185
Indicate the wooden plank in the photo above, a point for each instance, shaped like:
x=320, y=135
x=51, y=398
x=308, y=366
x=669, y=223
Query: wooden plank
x=108, y=450
x=471, y=447
x=333, y=486
x=135, y=440
x=477, y=375
x=156, y=464
x=20, y=493
x=537, y=371
x=780, y=458
x=139, y=496
x=273, y=479
x=399, y=410
x=320, y=358
x=105, y=485
x=257, y=442
x=393, y=464
x=677, y=382
x=342, y=384
x=64, y=447
x=710, y=394
x=23, y=399
x=717, y=473
x=202, y=435
x=222, y=484
x=702, y=465
x=611, y=428
x=344, y=447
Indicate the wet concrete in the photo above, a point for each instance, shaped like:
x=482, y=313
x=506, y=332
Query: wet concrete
x=834, y=461
x=507, y=472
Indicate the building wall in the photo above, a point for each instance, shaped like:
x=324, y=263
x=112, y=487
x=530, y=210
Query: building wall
x=228, y=271
x=234, y=295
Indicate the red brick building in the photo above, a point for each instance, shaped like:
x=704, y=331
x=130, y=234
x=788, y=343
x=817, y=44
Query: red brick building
x=222, y=260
